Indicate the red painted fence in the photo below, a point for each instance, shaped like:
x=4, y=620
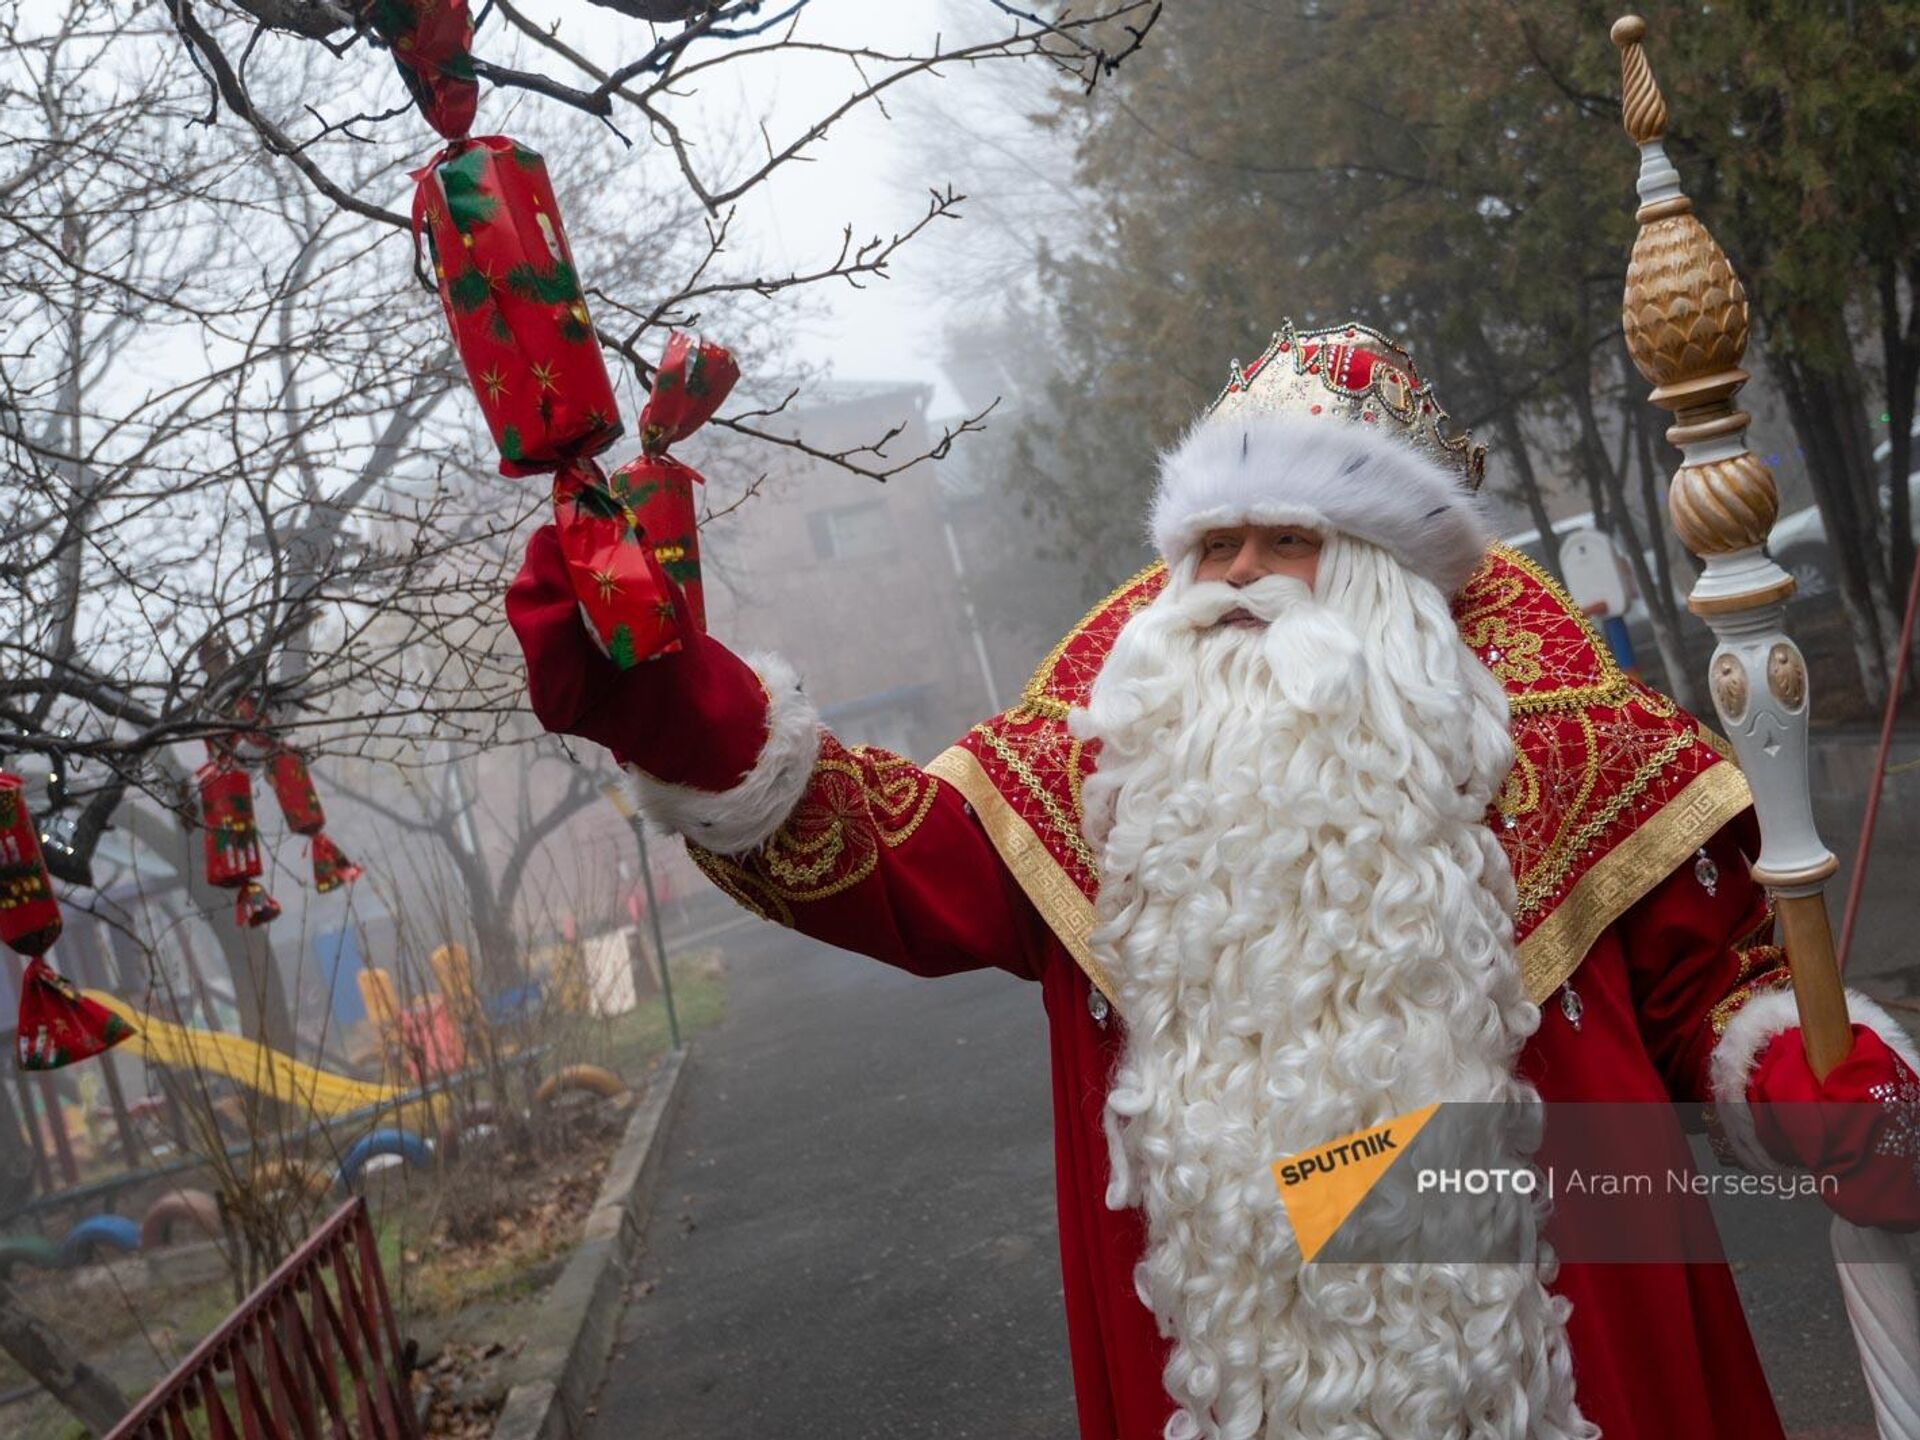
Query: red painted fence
x=300, y=1358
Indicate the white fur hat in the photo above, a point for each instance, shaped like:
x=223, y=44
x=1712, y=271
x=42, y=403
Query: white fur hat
x=1331, y=429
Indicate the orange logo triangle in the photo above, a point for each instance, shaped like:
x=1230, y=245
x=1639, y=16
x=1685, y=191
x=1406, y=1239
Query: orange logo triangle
x=1320, y=1187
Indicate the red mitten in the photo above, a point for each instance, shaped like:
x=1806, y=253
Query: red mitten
x=697, y=717
x=1860, y=1126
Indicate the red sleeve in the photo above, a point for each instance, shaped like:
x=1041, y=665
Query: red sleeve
x=1698, y=948
x=879, y=857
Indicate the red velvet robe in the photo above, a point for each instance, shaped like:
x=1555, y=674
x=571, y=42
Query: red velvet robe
x=976, y=861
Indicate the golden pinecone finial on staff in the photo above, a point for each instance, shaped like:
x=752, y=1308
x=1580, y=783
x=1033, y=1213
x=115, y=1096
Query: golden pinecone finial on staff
x=1685, y=315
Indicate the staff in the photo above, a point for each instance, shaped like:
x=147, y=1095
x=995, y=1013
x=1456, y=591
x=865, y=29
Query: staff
x=1685, y=315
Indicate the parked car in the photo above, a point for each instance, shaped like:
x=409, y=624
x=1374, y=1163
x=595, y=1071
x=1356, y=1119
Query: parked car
x=1529, y=543
x=1800, y=543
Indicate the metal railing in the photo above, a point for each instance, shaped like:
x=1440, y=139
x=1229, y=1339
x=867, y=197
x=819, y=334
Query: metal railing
x=313, y=1352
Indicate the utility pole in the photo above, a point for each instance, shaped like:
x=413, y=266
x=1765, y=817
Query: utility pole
x=623, y=802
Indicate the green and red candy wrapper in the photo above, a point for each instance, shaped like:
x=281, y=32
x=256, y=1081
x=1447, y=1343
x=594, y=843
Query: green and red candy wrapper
x=513, y=302
x=300, y=806
x=623, y=592
x=432, y=43
x=233, y=841
x=694, y=379
x=57, y=1025
x=29, y=913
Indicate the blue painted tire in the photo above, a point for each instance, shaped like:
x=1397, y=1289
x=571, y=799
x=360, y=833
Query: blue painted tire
x=96, y=1233
x=409, y=1147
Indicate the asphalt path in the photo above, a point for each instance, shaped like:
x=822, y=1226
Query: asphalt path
x=854, y=1233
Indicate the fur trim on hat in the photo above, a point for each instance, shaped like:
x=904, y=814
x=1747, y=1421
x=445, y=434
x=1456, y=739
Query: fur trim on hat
x=1329, y=474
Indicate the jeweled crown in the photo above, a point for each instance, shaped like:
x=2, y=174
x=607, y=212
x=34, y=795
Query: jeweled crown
x=1351, y=373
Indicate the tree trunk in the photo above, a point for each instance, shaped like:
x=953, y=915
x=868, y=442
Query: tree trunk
x=87, y=1394
x=1515, y=441
x=1608, y=480
x=258, y=989
x=1813, y=399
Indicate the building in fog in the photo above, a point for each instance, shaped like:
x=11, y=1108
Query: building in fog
x=859, y=584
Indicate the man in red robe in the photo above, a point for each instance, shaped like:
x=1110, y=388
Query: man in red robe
x=1376, y=821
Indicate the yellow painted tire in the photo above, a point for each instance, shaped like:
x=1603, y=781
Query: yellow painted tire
x=291, y=1176
x=594, y=1079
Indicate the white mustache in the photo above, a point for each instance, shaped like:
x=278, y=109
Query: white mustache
x=1266, y=599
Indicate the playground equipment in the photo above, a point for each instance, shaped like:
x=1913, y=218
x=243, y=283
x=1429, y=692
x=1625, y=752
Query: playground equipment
x=402, y=1145
x=593, y=1079
x=86, y=1240
x=35, y=1250
x=178, y=1216
x=247, y=1062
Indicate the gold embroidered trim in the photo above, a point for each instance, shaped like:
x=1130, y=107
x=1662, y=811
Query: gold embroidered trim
x=1778, y=978
x=1065, y=825
x=1612, y=685
x=1034, y=696
x=1067, y=911
x=1626, y=873
x=1551, y=869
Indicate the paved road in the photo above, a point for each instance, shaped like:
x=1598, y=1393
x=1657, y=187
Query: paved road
x=854, y=1234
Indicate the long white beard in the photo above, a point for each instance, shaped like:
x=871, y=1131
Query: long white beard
x=1308, y=922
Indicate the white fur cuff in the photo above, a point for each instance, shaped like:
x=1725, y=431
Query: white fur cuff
x=731, y=822
x=1747, y=1034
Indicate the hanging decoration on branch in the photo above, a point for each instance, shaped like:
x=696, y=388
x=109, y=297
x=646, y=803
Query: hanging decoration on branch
x=432, y=44
x=514, y=303
x=29, y=913
x=693, y=381
x=512, y=299
x=233, y=841
x=300, y=807
x=56, y=1025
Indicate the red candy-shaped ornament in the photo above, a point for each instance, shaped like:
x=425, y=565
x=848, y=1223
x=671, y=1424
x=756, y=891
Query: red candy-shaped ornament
x=300, y=806
x=58, y=1025
x=513, y=301
x=432, y=43
x=623, y=592
x=331, y=867
x=29, y=913
x=693, y=381
x=293, y=788
x=658, y=490
x=233, y=840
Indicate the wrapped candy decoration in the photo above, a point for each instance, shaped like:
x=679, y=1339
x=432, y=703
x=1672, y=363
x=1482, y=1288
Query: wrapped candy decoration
x=29, y=913
x=694, y=379
x=233, y=841
x=622, y=590
x=513, y=301
x=331, y=867
x=58, y=1025
x=293, y=788
x=658, y=492
x=300, y=806
x=432, y=43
